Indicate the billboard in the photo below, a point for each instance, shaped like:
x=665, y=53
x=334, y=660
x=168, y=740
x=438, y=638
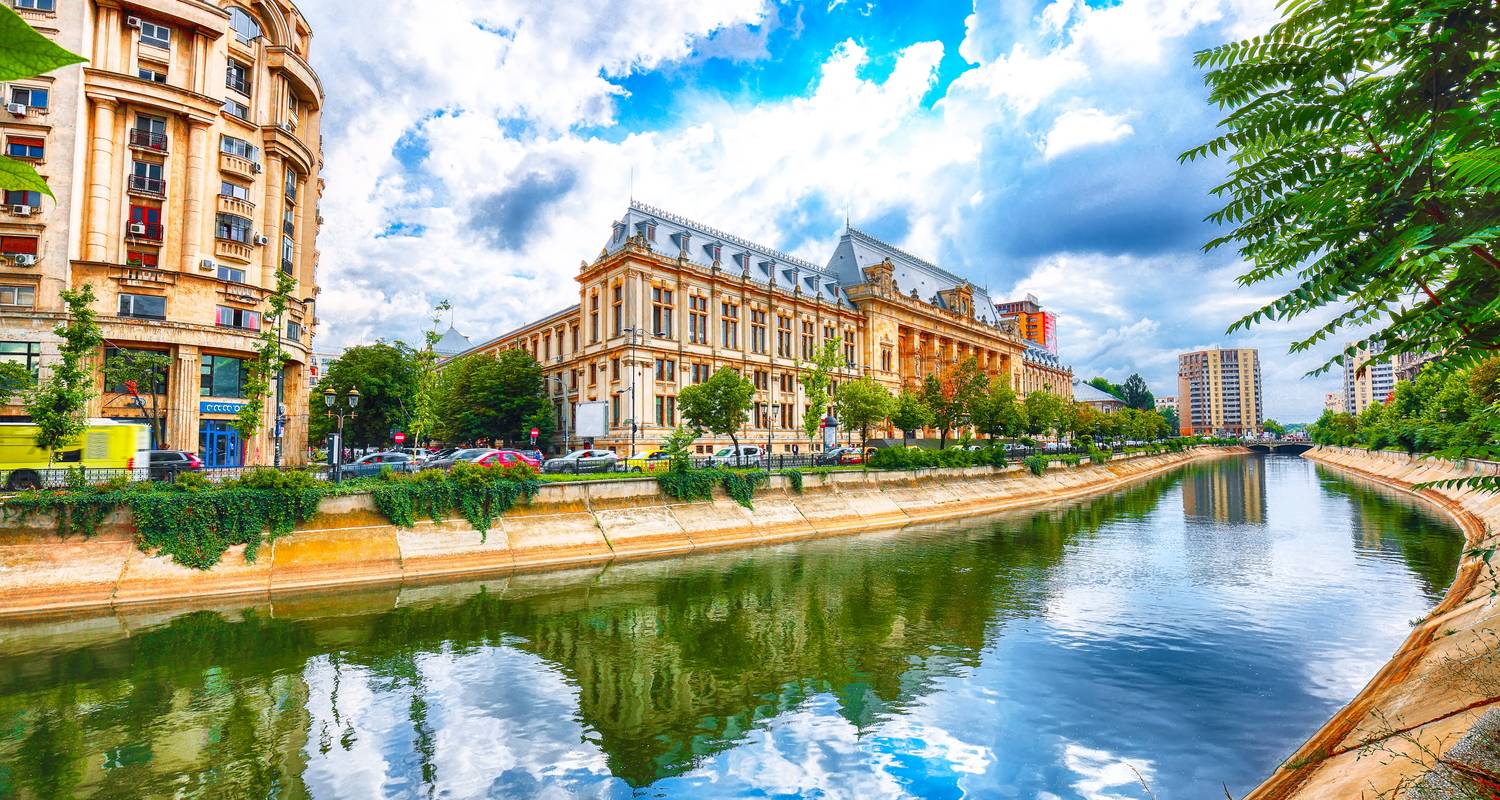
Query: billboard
x=592, y=419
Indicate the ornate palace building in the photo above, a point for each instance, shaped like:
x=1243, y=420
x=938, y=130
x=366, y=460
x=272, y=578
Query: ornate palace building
x=668, y=301
x=184, y=156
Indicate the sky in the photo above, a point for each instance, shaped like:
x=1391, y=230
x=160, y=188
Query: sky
x=479, y=150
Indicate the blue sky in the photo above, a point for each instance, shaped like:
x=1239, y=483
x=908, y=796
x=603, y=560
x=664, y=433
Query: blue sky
x=1031, y=146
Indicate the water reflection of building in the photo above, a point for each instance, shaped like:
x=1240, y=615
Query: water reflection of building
x=1226, y=490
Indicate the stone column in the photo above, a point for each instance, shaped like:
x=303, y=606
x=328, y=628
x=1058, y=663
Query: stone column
x=182, y=400
x=270, y=220
x=193, y=210
x=101, y=167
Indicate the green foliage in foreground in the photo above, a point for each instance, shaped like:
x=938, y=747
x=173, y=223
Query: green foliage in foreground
x=698, y=484
x=1440, y=412
x=477, y=493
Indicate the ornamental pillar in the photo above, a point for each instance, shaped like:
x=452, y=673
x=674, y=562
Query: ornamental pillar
x=193, y=208
x=100, y=185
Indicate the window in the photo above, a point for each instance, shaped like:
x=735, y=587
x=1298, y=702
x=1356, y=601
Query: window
x=235, y=190
x=37, y=5
x=617, y=308
x=661, y=311
x=145, y=306
x=221, y=376
x=17, y=296
x=23, y=198
x=239, y=147
x=156, y=35
x=146, y=176
x=153, y=75
x=289, y=188
x=849, y=352
x=27, y=354
x=141, y=258
x=807, y=340
x=237, y=77
x=28, y=147
x=614, y=409
x=594, y=318
x=885, y=359
x=294, y=331
x=149, y=132
x=573, y=332
x=699, y=373
x=18, y=245
x=226, y=317
x=231, y=274
x=666, y=411
x=288, y=255
x=614, y=369
x=245, y=28
x=289, y=221
x=757, y=331
x=698, y=320
x=236, y=109
x=762, y=379
x=666, y=369
x=785, y=379
x=145, y=222
x=783, y=336
x=729, y=325
x=232, y=227
x=29, y=96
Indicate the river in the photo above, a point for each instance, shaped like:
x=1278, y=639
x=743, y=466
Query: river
x=1184, y=634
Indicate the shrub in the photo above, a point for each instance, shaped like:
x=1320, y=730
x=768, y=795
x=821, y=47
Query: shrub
x=794, y=477
x=1097, y=456
x=1036, y=463
x=1071, y=459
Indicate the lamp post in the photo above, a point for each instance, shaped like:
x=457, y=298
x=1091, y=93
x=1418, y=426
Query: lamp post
x=632, y=331
x=773, y=412
x=346, y=409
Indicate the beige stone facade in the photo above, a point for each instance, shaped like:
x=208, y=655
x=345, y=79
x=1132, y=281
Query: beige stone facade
x=661, y=309
x=184, y=157
x=1218, y=392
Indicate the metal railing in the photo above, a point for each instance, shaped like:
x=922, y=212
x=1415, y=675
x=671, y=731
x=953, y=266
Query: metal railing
x=147, y=184
x=149, y=139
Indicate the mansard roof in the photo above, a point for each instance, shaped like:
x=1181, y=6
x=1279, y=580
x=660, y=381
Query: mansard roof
x=451, y=343
x=678, y=236
x=857, y=250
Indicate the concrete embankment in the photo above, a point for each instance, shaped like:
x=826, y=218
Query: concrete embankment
x=349, y=542
x=1444, y=677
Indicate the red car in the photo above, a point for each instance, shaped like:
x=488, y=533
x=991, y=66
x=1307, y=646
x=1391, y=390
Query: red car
x=508, y=458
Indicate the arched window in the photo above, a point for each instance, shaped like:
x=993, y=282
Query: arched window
x=245, y=28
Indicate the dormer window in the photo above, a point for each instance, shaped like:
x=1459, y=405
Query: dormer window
x=714, y=251
x=619, y=231
x=647, y=229
x=682, y=240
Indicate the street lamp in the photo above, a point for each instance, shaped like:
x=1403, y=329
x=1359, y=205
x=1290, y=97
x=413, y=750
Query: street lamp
x=346, y=409
x=563, y=387
x=632, y=331
x=773, y=413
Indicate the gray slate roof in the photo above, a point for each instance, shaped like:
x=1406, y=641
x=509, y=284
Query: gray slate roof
x=451, y=343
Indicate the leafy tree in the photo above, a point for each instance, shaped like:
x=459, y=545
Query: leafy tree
x=386, y=377
x=1273, y=427
x=424, y=420
x=1084, y=420
x=1333, y=428
x=493, y=399
x=719, y=405
x=1366, y=162
x=862, y=403
x=15, y=379
x=953, y=394
x=998, y=412
x=25, y=53
x=1135, y=393
x=57, y=404
x=144, y=371
x=1102, y=384
x=1044, y=412
x=816, y=379
x=909, y=412
x=262, y=372
x=1169, y=414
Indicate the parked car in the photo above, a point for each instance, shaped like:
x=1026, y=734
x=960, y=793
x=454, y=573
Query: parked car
x=834, y=456
x=535, y=455
x=372, y=464
x=857, y=455
x=418, y=454
x=165, y=464
x=463, y=454
x=649, y=461
x=582, y=461
x=507, y=458
x=749, y=455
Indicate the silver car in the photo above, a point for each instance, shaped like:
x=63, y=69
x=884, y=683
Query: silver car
x=582, y=461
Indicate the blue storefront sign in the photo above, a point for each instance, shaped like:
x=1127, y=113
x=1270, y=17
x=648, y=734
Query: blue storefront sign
x=214, y=407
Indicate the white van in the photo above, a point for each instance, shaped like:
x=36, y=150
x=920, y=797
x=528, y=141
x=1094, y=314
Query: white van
x=749, y=456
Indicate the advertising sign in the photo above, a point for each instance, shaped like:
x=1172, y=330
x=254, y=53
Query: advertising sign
x=592, y=419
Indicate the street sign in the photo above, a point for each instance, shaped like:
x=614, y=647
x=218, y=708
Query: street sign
x=534, y=433
x=399, y=437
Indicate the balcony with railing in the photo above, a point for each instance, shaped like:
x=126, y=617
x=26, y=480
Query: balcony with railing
x=148, y=186
x=235, y=165
x=144, y=139
x=241, y=85
x=229, y=204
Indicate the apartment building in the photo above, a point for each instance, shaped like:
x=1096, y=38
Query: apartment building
x=1367, y=381
x=1219, y=392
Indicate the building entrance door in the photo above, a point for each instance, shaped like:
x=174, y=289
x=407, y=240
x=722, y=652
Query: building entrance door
x=219, y=445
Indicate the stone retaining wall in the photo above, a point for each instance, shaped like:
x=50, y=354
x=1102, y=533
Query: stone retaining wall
x=1441, y=680
x=571, y=523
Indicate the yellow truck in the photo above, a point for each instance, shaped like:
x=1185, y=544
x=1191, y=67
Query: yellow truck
x=106, y=449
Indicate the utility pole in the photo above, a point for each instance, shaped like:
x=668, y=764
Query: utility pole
x=632, y=332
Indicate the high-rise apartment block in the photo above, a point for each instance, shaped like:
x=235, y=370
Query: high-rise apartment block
x=1032, y=321
x=1366, y=381
x=184, y=159
x=1218, y=392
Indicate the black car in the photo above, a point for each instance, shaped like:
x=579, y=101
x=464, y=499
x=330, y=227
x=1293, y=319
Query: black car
x=833, y=457
x=165, y=464
x=373, y=463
